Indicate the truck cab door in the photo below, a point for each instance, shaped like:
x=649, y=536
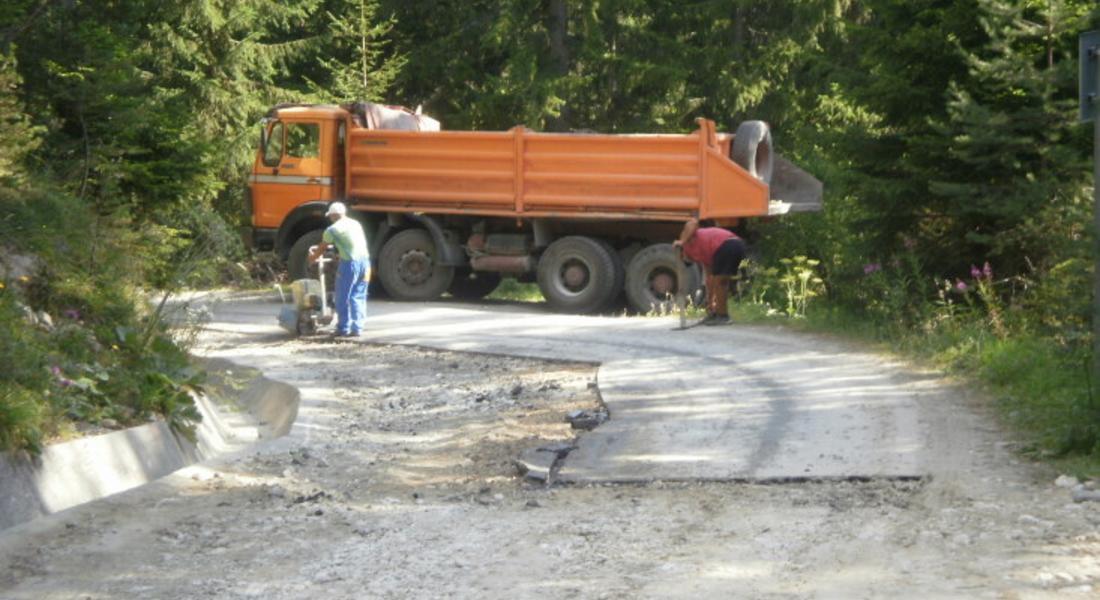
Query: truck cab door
x=288, y=171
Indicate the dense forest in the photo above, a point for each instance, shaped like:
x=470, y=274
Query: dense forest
x=958, y=180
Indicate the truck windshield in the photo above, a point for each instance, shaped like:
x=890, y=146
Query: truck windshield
x=273, y=153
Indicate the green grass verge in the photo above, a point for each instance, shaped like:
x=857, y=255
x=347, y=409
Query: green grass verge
x=510, y=289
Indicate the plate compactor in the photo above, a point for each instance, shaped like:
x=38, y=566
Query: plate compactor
x=308, y=310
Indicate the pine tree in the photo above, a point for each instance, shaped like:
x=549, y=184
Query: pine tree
x=1012, y=156
x=18, y=137
x=356, y=65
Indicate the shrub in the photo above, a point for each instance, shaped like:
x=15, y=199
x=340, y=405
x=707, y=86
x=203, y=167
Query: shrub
x=106, y=356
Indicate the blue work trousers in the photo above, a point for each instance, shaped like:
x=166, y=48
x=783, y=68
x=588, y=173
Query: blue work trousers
x=351, y=296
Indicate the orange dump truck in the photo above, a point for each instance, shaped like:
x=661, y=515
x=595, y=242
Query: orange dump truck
x=587, y=216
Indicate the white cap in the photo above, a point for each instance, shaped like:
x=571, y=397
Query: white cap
x=336, y=208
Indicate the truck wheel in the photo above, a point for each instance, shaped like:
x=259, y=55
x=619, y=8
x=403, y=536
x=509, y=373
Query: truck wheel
x=579, y=274
x=752, y=149
x=408, y=269
x=297, y=263
x=473, y=285
x=653, y=280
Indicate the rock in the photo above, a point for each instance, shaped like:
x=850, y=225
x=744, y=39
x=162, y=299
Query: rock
x=45, y=320
x=109, y=423
x=537, y=463
x=277, y=491
x=586, y=420
x=517, y=390
x=533, y=504
x=14, y=266
x=28, y=314
x=1084, y=495
x=1066, y=481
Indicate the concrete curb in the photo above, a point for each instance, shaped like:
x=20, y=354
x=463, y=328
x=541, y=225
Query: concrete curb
x=246, y=408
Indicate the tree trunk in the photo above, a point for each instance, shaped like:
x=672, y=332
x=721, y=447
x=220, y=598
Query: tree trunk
x=557, y=26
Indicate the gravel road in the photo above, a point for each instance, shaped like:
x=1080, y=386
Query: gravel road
x=403, y=486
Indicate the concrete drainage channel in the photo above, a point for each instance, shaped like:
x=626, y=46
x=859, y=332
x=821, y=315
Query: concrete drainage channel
x=242, y=407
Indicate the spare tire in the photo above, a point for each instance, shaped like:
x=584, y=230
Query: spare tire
x=752, y=149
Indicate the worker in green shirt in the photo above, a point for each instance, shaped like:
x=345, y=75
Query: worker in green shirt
x=353, y=274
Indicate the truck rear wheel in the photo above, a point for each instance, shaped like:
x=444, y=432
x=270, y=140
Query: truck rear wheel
x=653, y=279
x=409, y=269
x=579, y=274
x=473, y=285
x=752, y=149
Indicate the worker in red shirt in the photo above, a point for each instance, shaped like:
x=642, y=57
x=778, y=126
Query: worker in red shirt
x=720, y=252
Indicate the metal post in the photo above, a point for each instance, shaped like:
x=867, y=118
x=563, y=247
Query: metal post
x=1088, y=98
x=1094, y=54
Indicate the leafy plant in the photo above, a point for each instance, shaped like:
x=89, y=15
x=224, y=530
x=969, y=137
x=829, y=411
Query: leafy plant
x=800, y=284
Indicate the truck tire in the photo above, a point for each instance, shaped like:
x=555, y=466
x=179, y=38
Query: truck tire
x=579, y=275
x=409, y=269
x=297, y=262
x=473, y=285
x=752, y=149
x=653, y=280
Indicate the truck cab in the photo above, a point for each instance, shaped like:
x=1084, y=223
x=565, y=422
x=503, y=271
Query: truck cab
x=299, y=165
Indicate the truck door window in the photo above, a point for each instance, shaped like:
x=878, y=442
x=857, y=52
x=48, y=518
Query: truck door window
x=303, y=140
x=273, y=153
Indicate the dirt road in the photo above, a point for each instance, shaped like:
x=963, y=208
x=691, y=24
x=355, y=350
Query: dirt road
x=399, y=484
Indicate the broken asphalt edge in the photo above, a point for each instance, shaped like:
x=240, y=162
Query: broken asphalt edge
x=72, y=473
x=541, y=464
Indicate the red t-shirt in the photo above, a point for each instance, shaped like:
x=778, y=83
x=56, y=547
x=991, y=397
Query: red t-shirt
x=704, y=243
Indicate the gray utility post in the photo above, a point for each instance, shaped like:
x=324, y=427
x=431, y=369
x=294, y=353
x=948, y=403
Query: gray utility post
x=1089, y=55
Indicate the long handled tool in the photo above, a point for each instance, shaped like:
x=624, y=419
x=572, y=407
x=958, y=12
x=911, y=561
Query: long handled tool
x=682, y=296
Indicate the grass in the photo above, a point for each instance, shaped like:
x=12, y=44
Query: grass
x=512, y=290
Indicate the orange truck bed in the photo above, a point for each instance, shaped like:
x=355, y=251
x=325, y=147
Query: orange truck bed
x=519, y=173
x=587, y=216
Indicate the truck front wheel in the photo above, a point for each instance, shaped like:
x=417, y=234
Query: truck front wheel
x=653, y=278
x=409, y=269
x=579, y=274
x=297, y=262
